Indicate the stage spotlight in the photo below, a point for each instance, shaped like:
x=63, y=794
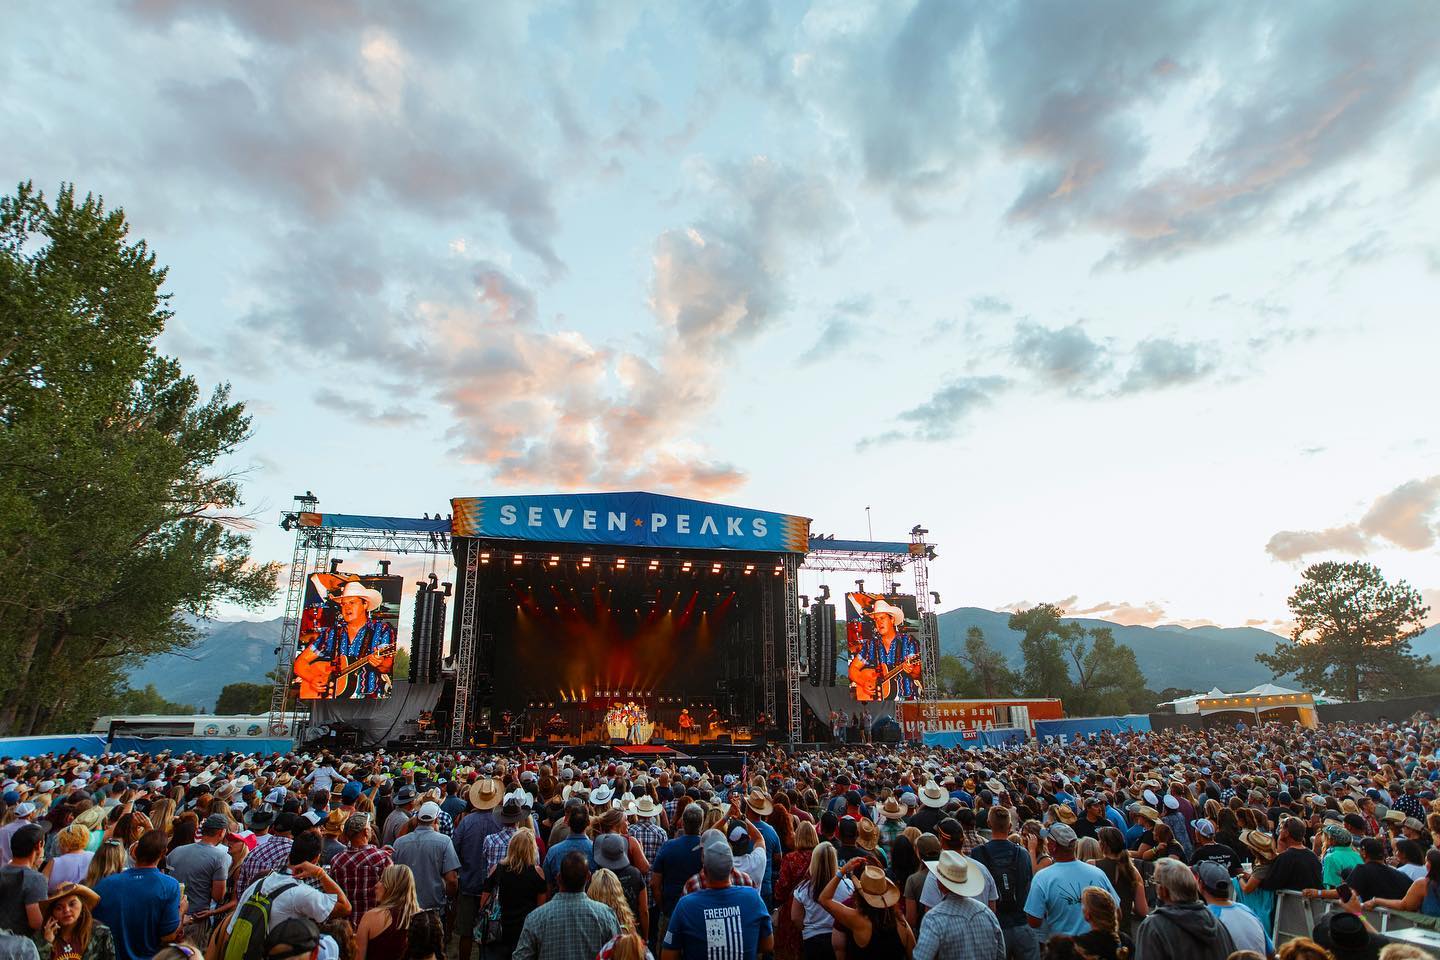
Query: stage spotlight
x=894, y=586
x=824, y=593
x=685, y=565
x=936, y=597
x=584, y=561
x=859, y=586
x=289, y=522
x=715, y=568
x=918, y=531
x=620, y=562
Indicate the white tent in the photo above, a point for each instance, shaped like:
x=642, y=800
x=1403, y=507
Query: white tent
x=1191, y=704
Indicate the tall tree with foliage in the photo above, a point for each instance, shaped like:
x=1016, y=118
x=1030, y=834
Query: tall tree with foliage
x=1352, y=633
x=1044, y=645
x=1107, y=677
x=987, y=666
x=115, y=515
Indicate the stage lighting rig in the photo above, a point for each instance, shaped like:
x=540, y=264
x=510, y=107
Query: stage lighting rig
x=859, y=586
x=918, y=531
x=824, y=593
x=289, y=521
x=936, y=597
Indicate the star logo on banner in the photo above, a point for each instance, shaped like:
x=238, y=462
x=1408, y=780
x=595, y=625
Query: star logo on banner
x=639, y=522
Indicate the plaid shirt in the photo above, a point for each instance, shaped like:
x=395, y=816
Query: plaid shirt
x=738, y=878
x=960, y=928
x=567, y=926
x=494, y=850
x=670, y=806
x=651, y=836
x=273, y=853
x=356, y=870
x=970, y=840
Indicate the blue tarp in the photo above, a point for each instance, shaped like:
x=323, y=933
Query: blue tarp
x=1085, y=726
x=87, y=743
x=258, y=745
x=975, y=738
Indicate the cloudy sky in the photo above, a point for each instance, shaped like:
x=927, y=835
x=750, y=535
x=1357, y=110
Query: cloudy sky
x=1132, y=304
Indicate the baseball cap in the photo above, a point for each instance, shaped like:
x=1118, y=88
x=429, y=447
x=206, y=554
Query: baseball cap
x=291, y=938
x=215, y=823
x=1213, y=877
x=350, y=791
x=1062, y=834
x=1203, y=827
x=429, y=810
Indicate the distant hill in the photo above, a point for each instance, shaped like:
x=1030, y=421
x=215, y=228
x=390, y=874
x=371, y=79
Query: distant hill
x=1170, y=656
x=228, y=652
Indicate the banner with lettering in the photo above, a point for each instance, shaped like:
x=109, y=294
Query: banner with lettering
x=629, y=519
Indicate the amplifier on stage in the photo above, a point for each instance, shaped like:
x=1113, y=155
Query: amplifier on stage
x=742, y=734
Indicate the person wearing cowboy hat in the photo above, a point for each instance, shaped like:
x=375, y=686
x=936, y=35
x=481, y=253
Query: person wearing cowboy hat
x=959, y=925
x=757, y=807
x=885, y=649
x=70, y=930
x=359, y=639
x=470, y=837
x=874, y=926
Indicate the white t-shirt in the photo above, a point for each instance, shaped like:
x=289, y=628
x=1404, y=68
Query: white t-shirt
x=818, y=921
x=301, y=900
x=932, y=895
x=1415, y=871
x=753, y=863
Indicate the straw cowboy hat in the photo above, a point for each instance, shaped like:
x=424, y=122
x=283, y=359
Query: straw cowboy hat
x=87, y=896
x=644, y=807
x=957, y=873
x=485, y=794
x=869, y=835
x=1262, y=844
x=760, y=803
x=355, y=588
x=933, y=795
x=878, y=890
x=892, y=809
x=897, y=616
x=1064, y=813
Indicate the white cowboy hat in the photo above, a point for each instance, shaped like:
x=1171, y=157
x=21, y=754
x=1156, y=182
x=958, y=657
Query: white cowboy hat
x=933, y=795
x=958, y=873
x=355, y=588
x=602, y=795
x=897, y=616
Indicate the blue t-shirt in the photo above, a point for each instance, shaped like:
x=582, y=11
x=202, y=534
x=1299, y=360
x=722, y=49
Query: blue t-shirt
x=724, y=922
x=558, y=852
x=139, y=905
x=676, y=861
x=772, y=854
x=1055, y=896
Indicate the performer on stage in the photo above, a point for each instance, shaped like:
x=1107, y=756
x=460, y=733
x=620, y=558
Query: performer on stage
x=882, y=653
x=687, y=722
x=353, y=657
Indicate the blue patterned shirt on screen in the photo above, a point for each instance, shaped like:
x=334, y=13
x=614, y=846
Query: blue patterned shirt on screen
x=875, y=654
x=374, y=635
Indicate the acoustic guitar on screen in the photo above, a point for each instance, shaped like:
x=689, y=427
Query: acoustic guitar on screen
x=871, y=683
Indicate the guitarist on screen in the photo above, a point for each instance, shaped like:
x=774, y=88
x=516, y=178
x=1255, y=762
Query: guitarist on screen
x=356, y=654
x=887, y=663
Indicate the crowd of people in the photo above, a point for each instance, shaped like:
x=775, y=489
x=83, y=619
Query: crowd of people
x=1138, y=846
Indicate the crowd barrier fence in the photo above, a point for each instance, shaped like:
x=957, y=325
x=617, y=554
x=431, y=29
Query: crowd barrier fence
x=1295, y=917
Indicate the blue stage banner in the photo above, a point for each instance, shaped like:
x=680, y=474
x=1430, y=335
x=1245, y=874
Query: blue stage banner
x=629, y=519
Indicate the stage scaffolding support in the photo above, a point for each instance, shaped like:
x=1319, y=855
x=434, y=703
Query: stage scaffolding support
x=920, y=551
x=767, y=661
x=465, y=644
x=290, y=626
x=791, y=605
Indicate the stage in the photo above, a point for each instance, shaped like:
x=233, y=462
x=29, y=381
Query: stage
x=587, y=620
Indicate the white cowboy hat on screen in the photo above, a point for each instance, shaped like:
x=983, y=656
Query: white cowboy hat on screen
x=896, y=614
x=355, y=588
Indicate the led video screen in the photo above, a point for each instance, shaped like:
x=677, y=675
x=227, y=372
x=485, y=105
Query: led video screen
x=348, y=635
x=883, y=644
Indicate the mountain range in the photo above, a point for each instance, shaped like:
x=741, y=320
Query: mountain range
x=1169, y=655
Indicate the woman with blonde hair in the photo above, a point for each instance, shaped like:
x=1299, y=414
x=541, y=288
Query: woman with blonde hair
x=815, y=922
x=605, y=888
x=519, y=884
x=793, y=868
x=384, y=931
x=71, y=860
x=162, y=812
x=1105, y=941
x=109, y=859
x=713, y=816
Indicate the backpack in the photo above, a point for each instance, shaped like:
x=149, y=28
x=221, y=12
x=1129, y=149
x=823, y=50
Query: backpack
x=1010, y=898
x=252, y=923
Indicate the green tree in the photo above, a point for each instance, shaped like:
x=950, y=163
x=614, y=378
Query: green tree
x=987, y=667
x=1107, y=677
x=1044, y=645
x=401, y=669
x=114, y=516
x=148, y=700
x=954, y=679
x=1352, y=633
x=243, y=698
